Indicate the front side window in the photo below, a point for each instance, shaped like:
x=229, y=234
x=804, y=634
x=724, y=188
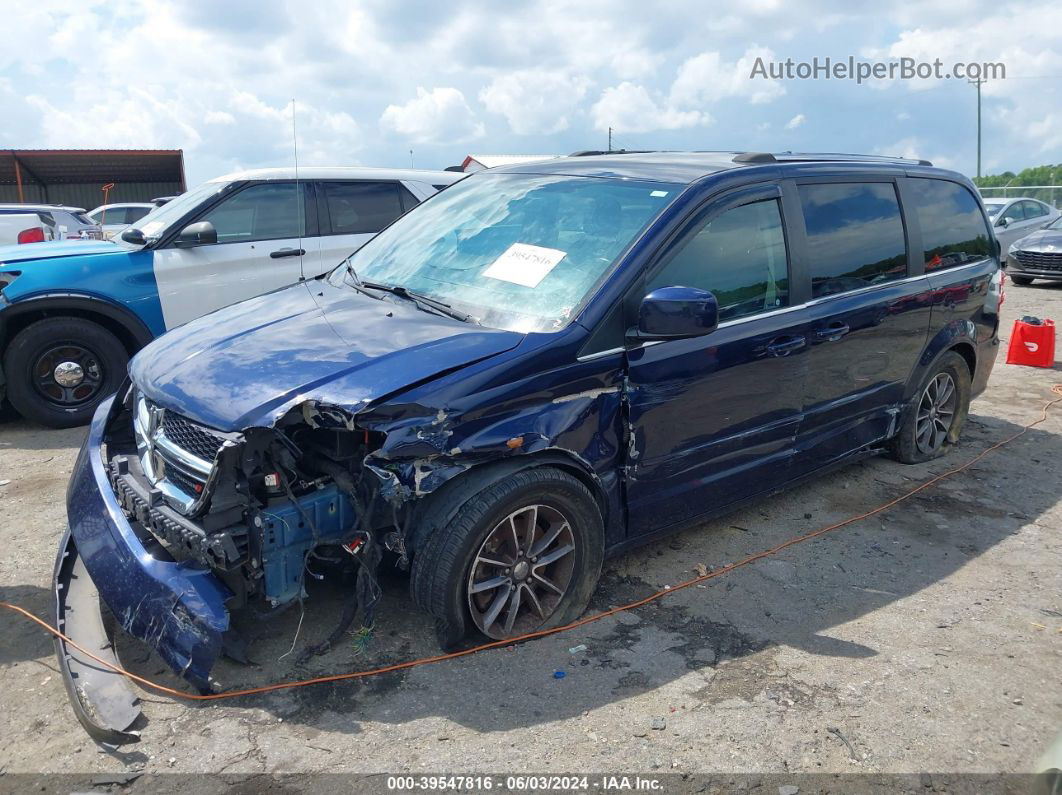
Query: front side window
x=269, y=211
x=740, y=256
x=361, y=207
x=1011, y=215
x=855, y=235
x=953, y=229
x=165, y=218
x=514, y=251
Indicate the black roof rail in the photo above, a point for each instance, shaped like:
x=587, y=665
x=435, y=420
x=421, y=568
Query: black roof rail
x=755, y=157
x=824, y=157
x=592, y=152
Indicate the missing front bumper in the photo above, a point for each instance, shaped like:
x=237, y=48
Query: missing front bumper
x=177, y=608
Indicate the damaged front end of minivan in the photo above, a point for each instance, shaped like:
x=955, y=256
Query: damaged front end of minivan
x=179, y=524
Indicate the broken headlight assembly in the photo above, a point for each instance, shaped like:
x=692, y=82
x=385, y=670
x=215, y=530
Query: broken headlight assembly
x=256, y=507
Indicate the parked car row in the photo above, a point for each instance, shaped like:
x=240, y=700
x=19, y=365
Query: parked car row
x=66, y=223
x=542, y=365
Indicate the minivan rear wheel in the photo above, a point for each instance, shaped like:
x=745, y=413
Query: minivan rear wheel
x=522, y=553
x=935, y=417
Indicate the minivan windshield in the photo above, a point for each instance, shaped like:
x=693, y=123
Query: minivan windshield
x=155, y=222
x=513, y=251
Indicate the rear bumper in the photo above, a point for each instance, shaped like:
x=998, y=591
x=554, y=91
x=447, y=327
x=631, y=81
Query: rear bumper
x=176, y=608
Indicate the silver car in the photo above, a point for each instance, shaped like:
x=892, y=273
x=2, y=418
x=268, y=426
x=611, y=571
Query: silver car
x=113, y=218
x=1013, y=219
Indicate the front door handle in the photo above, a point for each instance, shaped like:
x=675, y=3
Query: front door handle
x=287, y=252
x=783, y=346
x=833, y=332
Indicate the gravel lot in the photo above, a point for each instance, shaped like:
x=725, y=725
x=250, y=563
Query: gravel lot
x=927, y=638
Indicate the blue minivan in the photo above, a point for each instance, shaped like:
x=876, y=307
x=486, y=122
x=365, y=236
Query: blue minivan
x=544, y=365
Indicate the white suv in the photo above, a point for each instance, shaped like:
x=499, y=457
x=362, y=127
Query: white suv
x=71, y=314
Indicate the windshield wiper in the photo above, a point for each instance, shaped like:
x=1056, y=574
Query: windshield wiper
x=356, y=281
x=423, y=302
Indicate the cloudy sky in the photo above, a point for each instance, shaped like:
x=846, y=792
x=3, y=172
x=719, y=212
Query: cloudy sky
x=376, y=78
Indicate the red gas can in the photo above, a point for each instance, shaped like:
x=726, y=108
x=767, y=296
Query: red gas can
x=1032, y=343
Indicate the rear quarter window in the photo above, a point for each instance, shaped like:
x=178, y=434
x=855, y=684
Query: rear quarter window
x=855, y=235
x=361, y=207
x=953, y=228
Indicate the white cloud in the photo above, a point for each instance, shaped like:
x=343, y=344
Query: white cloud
x=535, y=101
x=796, y=121
x=439, y=115
x=707, y=78
x=629, y=108
x=915, y=148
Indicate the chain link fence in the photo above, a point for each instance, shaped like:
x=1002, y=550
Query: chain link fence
x=1050, y=194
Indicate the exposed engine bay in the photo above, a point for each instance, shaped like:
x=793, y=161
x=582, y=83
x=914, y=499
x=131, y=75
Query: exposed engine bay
x=265, y=509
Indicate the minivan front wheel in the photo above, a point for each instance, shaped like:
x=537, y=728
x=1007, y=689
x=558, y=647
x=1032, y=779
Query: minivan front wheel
x=935, y=418
x=522, y=553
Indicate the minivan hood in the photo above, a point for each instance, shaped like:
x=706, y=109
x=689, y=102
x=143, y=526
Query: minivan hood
x=1041, y=240
x=248, y=364
x=57, y=248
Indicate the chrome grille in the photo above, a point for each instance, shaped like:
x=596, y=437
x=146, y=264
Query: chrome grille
x=176, y=454
x=188, y=436
x=1040, y=260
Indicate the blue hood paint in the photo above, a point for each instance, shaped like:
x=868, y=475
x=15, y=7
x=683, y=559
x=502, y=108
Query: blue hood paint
x=248, y=364
x=58, y=248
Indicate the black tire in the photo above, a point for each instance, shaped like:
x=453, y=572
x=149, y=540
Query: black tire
x=31, y=384
x=443, y=561
x=911, y=445
x=1023, y=281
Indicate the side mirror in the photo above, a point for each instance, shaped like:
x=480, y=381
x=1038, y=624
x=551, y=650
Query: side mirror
x=134, y=236
x=1004, y=222
x=201, y=233
x=674, y=313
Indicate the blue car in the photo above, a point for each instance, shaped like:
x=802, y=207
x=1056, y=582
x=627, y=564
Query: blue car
x=542, y=366
x=72, y=313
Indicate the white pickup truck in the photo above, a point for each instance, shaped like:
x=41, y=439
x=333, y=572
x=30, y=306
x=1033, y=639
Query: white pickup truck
x=25, y=227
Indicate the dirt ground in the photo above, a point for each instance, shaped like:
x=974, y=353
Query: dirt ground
x=926, y=638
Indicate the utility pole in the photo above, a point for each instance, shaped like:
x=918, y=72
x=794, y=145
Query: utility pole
x=411, y=158
x=609, y=139
x=978, y=83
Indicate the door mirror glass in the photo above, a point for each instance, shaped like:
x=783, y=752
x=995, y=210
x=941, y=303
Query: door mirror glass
x=201, y=233
x=675, y=313
x=134, y=236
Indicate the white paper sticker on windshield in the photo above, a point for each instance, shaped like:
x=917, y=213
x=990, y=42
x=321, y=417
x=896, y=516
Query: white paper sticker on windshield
x=658, y=194
x=524, y=264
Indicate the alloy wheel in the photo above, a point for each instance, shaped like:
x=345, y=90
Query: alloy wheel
x=936, y=413
x=521, y=572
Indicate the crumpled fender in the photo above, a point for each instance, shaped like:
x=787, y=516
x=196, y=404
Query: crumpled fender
x=426, y=446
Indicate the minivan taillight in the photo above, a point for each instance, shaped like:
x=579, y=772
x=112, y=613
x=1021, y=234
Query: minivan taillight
x=34, y=235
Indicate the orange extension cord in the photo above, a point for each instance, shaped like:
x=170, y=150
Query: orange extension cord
x=1056, y=389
